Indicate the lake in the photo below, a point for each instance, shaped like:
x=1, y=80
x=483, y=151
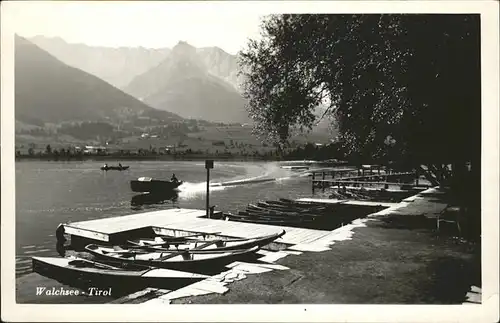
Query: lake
x=49, y=193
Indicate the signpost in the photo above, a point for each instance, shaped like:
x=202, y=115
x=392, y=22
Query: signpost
x=208, y=165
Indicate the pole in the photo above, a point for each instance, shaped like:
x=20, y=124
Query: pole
x=208, y=193
x=208, y=164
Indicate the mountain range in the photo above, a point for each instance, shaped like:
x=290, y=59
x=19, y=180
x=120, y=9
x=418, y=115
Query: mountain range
x=49, y=91
x=182, y=83
x=199, y=83
x=59, y=81
x=117, y=66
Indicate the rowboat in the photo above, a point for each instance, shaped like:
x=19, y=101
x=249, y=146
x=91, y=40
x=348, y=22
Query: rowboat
x=276, y=209
x=114, y=167
x=227, y=244
x=241, y=217
x=291, y=208
x=271, y=218
x=310, y=204
x=282, y=216
x=71, y=267
x=147, y=184
x=275, y=212
x=189, y=260
x=299, y=205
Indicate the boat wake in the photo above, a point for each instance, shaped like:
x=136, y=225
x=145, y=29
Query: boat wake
x=270, y=173
x=190, y=190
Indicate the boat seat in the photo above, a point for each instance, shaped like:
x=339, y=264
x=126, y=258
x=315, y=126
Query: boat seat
x=145, y=179
x=172, y=255
x=203, y=245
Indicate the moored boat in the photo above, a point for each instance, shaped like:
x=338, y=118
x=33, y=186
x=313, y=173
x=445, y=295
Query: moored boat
x=148, y=184
x=114, y=167
x=227, y=244
x=261, y=219
x=190, y=260
x=293, y=209
x=273, y=215
x=93, y=270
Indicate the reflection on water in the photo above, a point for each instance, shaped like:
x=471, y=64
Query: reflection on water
x=154, y=198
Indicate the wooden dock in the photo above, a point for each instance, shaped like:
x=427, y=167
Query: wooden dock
x=187, y=220
x=366, y=176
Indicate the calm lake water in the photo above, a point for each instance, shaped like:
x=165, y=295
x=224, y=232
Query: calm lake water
x=49, y=193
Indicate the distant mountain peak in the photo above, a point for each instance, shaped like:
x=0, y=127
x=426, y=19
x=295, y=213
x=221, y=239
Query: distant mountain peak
x=183, y=48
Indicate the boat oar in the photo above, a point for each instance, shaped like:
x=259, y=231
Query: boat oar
x=76, y=262
x=123, y=251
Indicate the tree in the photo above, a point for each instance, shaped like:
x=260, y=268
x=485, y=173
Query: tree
x=48, y=150
x=412, y=78
x=415, y=78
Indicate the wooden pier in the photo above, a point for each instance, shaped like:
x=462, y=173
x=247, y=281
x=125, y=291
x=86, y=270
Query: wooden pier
x=180, y=222
x=365, y=176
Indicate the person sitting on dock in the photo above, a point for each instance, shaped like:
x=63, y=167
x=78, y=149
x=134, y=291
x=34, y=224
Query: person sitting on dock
x=174, y=179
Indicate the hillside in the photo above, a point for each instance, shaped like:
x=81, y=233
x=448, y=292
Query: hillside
x=117, y=66
x=49, y=91
x=183, y=83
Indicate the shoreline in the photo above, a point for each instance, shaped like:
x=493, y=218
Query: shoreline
x=139, y=158
x=170, y=158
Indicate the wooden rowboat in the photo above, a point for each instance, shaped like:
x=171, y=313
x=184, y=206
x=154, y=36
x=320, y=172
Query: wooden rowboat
x=296, y=205
x=267, y=220
x=287, y=214
x=189, y=260
x=115, y=167
x=284, y=217
x=227, y=244
x=145, y=276
x=287, y=209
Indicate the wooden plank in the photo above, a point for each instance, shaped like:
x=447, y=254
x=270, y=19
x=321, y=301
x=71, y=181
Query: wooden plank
x=90, y=234
x=135, y=221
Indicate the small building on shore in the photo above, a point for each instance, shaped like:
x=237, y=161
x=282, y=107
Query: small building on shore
x=94, y=150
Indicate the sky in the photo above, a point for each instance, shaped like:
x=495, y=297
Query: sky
x=151, y=25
